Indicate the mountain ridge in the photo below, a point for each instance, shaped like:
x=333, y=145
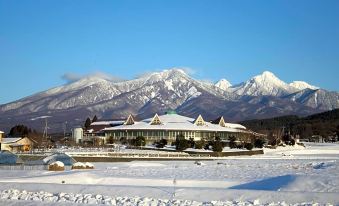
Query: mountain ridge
x=264, y=95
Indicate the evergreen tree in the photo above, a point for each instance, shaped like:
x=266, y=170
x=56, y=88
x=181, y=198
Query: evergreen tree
x=181, y=143
x=232, y=143
x=259, y=143
x=140, y=141
x=200, y=144
x=95, y=118
x=87, y=123
x=19, y=131
x=248, y=146
x=217, y=146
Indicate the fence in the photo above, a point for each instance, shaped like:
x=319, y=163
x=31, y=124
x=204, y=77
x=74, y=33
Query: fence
x=28, y=167
x=23, y=167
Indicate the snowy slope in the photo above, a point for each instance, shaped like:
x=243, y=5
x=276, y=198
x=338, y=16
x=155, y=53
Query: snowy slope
x=320, y=99
x=301, y=85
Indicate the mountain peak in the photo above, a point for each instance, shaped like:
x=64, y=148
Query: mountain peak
x=301, y=85
x=263, y=84
x=267, y=76
x=223, y=84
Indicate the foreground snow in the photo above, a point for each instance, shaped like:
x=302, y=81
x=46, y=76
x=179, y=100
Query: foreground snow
x=286, y=176
x=61, y=198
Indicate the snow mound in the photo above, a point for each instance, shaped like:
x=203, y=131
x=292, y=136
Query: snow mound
x=57, y=163
x=97, y=199
x=146, y=164
x=322, y=165
x=89, y=165
x=79, y=164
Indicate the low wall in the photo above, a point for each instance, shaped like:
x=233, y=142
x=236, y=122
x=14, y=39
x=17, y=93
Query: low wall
x=31, y=157
x=228, y=154
x=127, y=157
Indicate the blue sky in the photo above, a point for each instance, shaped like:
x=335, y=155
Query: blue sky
x=40, y=41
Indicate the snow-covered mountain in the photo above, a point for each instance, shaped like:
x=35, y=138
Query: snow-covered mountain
x=301, y=85
x=318, y=99
x=264, y=84
x=264, y=95
x=223, y=84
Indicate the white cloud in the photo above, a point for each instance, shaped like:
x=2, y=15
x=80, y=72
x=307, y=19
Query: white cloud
x=72, y=77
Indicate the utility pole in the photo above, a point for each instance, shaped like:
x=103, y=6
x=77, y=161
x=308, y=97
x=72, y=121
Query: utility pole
x=65, y=127
x=45, y=134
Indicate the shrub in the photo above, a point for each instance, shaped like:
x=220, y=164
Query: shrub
x=232, y=143
x=140, y=141
x=161, y=143
x=123, y=140
x=259, y=143
x=240, y=146
x=217, y=146
x=191, y=143
x=292, y=142
x=248, y=146
x=181, y=143
x=200, y=144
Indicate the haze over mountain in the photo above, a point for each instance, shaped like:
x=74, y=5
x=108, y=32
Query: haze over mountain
x=262, y=96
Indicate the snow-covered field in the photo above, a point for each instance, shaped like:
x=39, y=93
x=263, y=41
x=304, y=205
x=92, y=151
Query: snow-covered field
x=285, y=176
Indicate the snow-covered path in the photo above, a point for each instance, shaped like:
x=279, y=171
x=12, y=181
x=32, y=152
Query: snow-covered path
x=290, y=175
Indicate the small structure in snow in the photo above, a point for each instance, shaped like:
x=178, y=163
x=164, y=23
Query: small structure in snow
x=61, y=157
x=8, y=158
x=16, y=144
x=56, y=166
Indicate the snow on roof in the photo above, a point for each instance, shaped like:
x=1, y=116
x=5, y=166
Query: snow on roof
x=16, y=145
x=79, y=164
x=113, y=122
x=7, y=157
x=58, y=163
x=10, y=140
x=177, y=122
x=64, y=158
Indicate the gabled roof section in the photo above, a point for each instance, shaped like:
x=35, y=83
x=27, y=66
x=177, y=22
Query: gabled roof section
x=199, y=121
x=220, y=121
x=130, y=120
x=156, y=120
x=9, y=140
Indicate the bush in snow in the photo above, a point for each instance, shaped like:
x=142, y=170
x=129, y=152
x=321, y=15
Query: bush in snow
x=56, y=166
x=248, y=146
x=259, y=143
x=140, y=141
x=217, y=146
x=161, y=143
x=232, y=143
x=191, y=143
x=181, y=143
x=200, y=144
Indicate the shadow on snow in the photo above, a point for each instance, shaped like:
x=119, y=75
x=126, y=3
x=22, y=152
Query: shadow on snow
x=272, y=184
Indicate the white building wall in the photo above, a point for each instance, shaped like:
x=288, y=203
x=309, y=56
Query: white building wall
x=78, y=134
